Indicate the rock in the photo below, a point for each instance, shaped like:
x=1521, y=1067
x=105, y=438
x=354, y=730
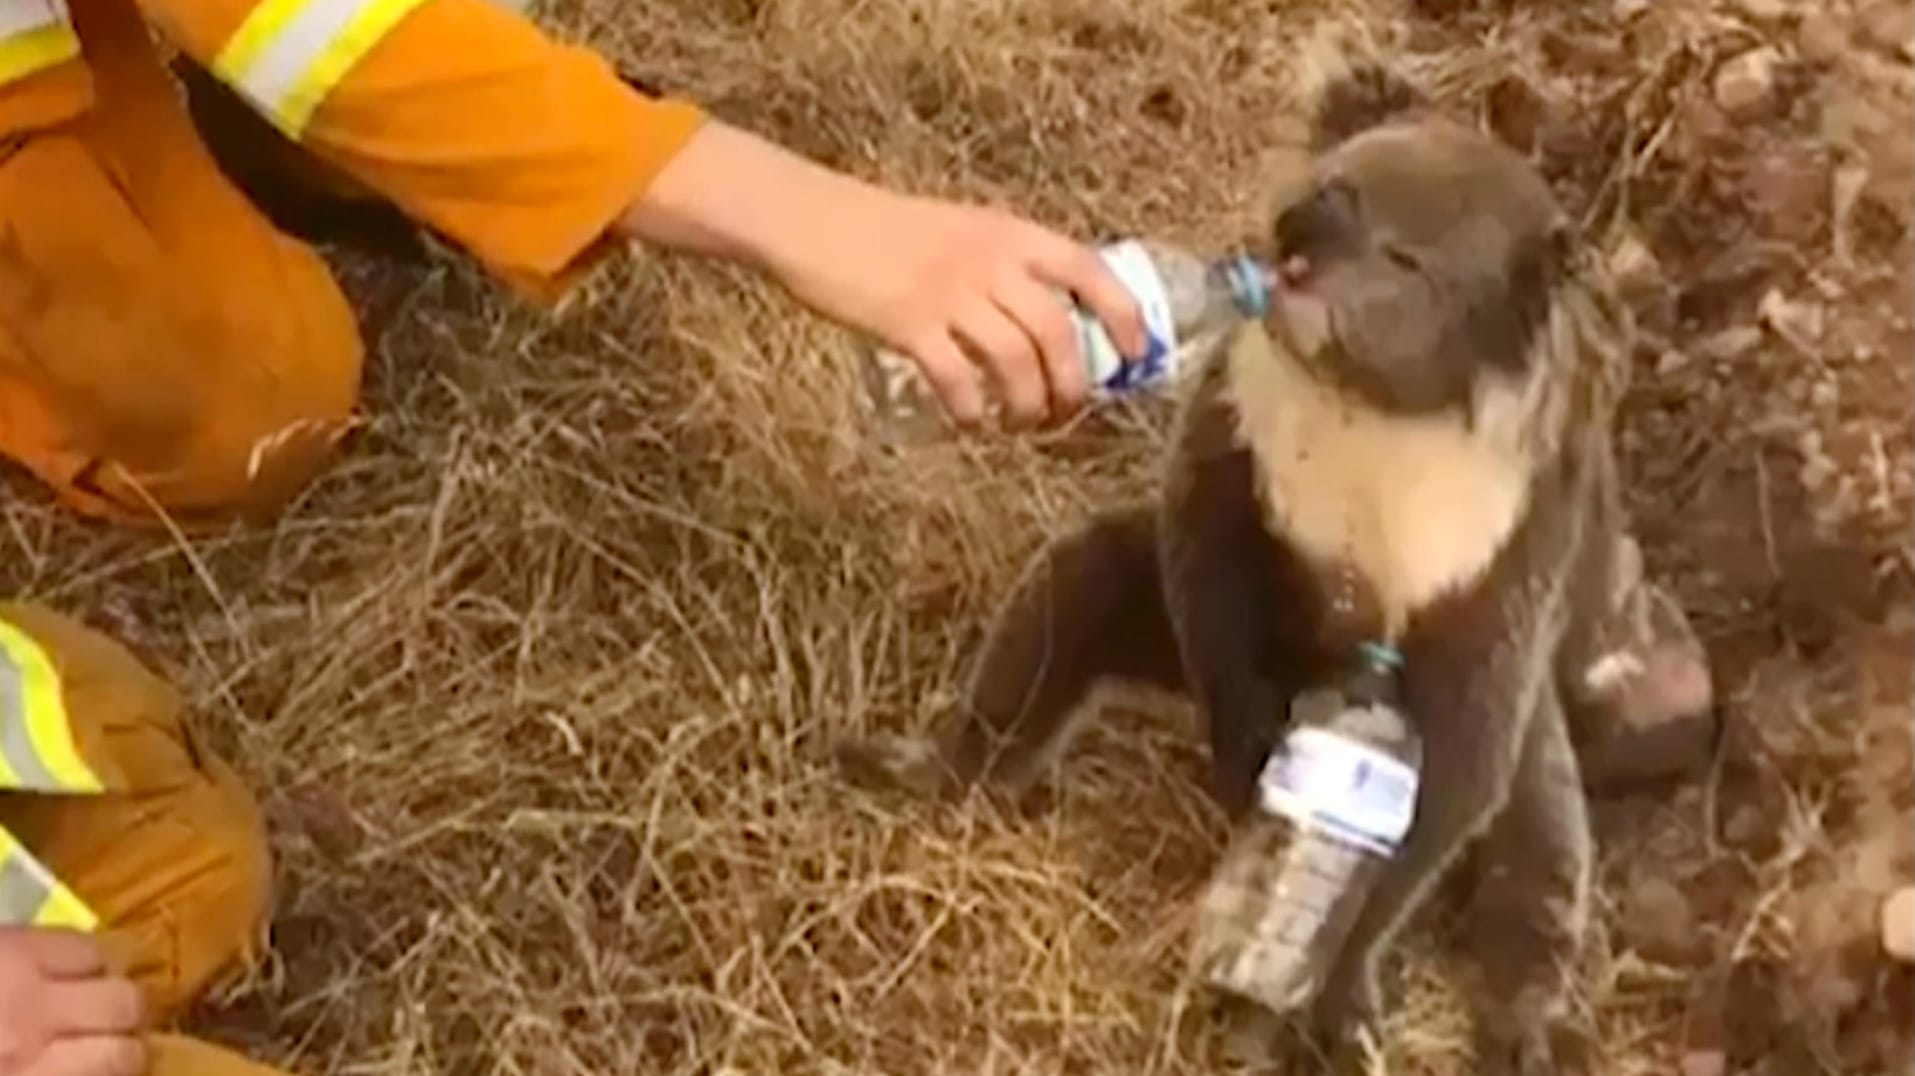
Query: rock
x=1730, y=344
x=1629, y=9
x=1671, y=363
x=1634, y=266
x=1658, y=922
x=1822, y=36
x=1744, y=85
x=1745, y=825
x=1889, y=25
x=1704, y=1063
x=1763, y=10
x=1797, y=322
x=1898, y=924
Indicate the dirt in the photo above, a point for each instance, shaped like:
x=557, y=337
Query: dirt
x=535, y=686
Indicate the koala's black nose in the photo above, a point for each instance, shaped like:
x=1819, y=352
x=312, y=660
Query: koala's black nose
x=1322, y=222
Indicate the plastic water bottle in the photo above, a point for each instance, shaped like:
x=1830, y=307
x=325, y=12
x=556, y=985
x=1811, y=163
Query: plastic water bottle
x=1181, y=296
x=1337, y=798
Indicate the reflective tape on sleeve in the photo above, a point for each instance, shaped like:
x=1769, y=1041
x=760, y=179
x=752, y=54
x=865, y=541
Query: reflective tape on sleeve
x=30, y=896
x=38, y=752
x=34, y=35
x=288, y=55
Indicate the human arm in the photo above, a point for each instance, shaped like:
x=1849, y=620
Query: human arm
x=62, y=1012
x=539, y=158
x=926, y=276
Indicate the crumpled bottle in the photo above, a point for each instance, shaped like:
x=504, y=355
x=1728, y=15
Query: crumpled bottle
x=1182, y=297
x=1337, y=798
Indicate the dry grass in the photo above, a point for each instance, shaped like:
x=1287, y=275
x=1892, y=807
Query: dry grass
x=534, y=685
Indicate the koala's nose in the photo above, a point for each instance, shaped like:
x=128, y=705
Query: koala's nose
x=1322, y=222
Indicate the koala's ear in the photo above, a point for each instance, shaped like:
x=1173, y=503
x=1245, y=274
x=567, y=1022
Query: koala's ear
x=1357, y=98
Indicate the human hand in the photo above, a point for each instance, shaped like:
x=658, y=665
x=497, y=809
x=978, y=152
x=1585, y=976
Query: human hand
x=62, y=1013
x=947, y=284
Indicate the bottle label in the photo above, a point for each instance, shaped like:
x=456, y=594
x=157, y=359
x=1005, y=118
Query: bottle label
x=1357, y=793
x=1130, y=262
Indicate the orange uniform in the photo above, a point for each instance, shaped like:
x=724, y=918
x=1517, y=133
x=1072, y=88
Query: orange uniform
x=163, y=347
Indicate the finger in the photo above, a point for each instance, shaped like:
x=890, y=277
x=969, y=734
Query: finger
x=91, y=1055
x=1012, y=356
x=66, y=954
x=953, y=376
x=1045, y=320
x=94, y=1006
x=1073, y=266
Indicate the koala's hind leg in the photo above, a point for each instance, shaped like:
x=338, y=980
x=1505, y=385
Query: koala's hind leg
x=1636, y=681
x=1531, y=903
x=1089, y=606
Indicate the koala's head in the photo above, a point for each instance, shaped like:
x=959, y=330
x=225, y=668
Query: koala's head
x=1418, y=256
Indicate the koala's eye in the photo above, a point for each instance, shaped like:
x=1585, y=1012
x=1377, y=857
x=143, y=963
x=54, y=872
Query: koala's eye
x=1402, y=259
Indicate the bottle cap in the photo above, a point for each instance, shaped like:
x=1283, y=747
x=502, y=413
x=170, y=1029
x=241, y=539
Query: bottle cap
x=1250, y=284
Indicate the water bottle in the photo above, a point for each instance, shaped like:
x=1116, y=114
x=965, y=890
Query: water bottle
x=1336, y=799
x=1181, y=296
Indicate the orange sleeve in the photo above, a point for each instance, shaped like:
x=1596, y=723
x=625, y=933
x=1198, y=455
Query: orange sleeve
x=522, y=149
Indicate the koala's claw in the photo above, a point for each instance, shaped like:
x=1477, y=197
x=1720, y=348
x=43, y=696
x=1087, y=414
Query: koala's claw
x=1344, y=1022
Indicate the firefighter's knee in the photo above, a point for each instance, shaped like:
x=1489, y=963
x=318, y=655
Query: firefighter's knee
x=200, y=369
x=170, y=855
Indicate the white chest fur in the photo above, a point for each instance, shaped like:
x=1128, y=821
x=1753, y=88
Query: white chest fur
x=1415, y=506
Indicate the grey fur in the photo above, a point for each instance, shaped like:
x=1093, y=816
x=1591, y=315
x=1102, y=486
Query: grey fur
x=1205, y=593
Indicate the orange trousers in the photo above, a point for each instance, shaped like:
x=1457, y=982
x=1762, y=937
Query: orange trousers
x=176, y=867
x=162, y=346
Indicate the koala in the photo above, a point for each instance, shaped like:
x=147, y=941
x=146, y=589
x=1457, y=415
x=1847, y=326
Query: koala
x=1413, y=448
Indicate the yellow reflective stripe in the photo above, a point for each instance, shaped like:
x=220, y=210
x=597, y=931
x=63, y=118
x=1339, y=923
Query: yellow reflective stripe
x=263, y=24
x=30, y=896
x=37, y=749
x=288, y=55
x=65, y=911
x=34, y=35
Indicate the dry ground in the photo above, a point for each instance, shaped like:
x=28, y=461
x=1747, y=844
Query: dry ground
x=534, y=685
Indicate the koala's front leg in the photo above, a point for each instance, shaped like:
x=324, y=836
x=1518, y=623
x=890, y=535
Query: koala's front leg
x=1531, y=903
x=1471, y=712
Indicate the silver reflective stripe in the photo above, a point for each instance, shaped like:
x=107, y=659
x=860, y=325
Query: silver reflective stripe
x=19, y=16
x=23, y=889
x=272, y=77
x=16, y=743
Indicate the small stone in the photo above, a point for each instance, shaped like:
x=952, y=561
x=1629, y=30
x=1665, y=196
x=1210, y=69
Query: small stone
x=1889, y=25
x=1744, y=84
x=1822, y=36
x=1629, y=9
x=1798, y=322
x=1659, y=922
x=1634, y=266
x=1763, y=10
x=1745, y=825
x=1704, y=1063
x=1825, y=395
x=1898, y=924
x=1671, y=362
x=1731, y=343
x=1817, y=473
